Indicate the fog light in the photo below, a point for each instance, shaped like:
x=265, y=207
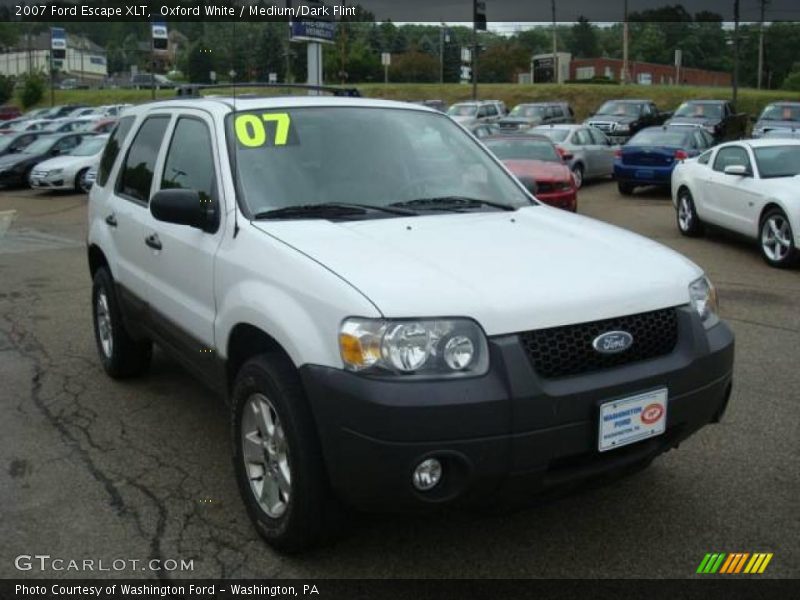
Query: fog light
x=427, y=474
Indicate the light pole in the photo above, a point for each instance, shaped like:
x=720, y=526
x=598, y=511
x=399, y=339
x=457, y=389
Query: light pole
x=555, y=42
x=624, y=74
x=763, y=6
x=735, y=51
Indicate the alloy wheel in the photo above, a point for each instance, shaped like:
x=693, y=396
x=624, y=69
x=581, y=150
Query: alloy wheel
x=104, y=327
x=776, y=238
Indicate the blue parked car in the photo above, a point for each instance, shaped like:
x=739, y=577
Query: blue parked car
x=649, y=157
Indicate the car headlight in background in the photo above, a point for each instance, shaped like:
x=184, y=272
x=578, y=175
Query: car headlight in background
x=54, y=172
x=703, y=298
x=622, y=128
x=425, y=347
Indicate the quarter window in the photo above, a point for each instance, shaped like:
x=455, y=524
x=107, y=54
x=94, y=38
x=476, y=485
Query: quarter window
x=112, y=150
x=598, y=136
x=137, y=171
x=190, y=162
x=704, y=158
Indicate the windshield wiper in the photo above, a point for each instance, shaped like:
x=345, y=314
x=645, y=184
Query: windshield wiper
x=452, y=203
x=328, y=209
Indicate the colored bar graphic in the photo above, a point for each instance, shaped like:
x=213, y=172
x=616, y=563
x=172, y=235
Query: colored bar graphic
x=734, y=563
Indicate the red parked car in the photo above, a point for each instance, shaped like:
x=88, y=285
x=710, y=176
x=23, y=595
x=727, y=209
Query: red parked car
x=103, y=126
x=9, y=112
x=536, y=162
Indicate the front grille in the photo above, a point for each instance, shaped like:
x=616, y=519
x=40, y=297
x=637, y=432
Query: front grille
x=567, y=350
x=37, y=173
x=602, y=125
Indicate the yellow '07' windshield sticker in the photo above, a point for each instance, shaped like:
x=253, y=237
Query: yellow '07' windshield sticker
x=252, y=131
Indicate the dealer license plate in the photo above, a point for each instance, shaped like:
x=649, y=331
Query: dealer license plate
x=628, y=420
x=644, y=174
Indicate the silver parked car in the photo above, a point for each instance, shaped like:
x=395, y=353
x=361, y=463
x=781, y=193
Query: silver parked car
x=587, y=151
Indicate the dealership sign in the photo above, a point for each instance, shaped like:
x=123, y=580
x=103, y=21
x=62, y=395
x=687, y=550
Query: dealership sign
x=313, y=24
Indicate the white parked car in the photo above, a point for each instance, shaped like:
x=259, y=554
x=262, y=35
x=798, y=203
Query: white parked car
x=347, y=273
x=68, y=171
x=748, y=187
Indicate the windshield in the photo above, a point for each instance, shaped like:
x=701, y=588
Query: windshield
x=40, y=146
x=527, y=111
x=781, y=112
x=506, y=149
x=90, y=147
x=704, y=110
x=369, y=156
x=462, y=110
x=659, y=137
x=557, y=135
x=778, y=161
x=621, y=109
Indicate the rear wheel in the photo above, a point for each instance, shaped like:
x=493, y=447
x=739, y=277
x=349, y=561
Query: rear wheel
x=121, y=355
x=577, y=174
x=689, y=223
x=625, y=188
x=777, y=239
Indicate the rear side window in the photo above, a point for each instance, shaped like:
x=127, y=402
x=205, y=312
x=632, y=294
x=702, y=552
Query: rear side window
x=112, y=150
x=136, y=176
x=190, y=162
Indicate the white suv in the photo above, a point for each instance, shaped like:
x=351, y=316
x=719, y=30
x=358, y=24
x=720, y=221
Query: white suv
x=395, y=321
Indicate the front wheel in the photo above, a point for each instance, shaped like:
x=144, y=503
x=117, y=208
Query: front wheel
x=277, y=456
x=80, y=182
x=689, y=223
x=777, y=240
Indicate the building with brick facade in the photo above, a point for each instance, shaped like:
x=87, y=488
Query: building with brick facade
x=646, y=73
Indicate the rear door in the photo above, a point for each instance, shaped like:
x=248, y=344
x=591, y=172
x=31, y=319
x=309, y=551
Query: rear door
x=182, y=277
x=604, y=152
x=129, y=212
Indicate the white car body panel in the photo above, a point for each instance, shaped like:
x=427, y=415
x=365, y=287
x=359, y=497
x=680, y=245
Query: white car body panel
x=736, y=202
x=70, y=165
x=297, y=280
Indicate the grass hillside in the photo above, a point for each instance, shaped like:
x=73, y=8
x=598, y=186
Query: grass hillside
x=583, y=98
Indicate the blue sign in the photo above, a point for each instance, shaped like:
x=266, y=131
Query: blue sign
x=58, y=38
x=313, y=31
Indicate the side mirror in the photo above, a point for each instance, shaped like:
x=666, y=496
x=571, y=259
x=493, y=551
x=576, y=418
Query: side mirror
x=184, y=207
x=738, y=170
x=55, y=152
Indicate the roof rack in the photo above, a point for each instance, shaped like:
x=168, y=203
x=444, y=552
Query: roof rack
x=193, y=89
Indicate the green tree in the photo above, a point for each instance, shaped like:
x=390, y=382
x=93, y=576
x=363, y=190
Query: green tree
x=200, y=63
x=6, y=88
x=792, y=80
x=32, y=90
x=584, y=39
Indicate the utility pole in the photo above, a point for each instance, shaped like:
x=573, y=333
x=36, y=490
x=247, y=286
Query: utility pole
x=555, y=43
x=625, y=67
x=442, y=37
x=735, y=51
x=763, y=6
x=474, y=60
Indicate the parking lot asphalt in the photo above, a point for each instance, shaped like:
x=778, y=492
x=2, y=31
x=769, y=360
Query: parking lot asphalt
x=96, y=469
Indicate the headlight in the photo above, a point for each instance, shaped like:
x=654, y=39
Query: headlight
x=429, y=347
x=703, y=298
x=622, y=128
x=54, y=172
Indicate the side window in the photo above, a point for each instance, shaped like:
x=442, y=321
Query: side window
x=729, y=156
x=190, y=161
x=482, y=112
x=646, y=110
x=112, y=150
x=550, y=113
x=699, y=140
x=66, y=144
x=136, y=175
x=491, y=110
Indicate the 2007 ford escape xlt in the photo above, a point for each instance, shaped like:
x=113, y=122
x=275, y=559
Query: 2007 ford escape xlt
x=396, y=322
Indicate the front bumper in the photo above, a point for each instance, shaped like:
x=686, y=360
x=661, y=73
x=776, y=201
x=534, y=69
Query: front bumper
x=510, y=432
x=57, y=182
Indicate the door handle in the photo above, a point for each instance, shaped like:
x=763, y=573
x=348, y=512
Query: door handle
x=111, y=220
x=153, y=241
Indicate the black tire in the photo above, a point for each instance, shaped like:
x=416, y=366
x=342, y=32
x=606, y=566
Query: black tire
x=125, y=357
x=689, y=224
x=577, y=171
x=79, y=183
x=774, y=254
x=312, y=514
x=625, y=188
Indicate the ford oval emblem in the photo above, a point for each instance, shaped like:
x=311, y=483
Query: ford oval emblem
x=612, y=342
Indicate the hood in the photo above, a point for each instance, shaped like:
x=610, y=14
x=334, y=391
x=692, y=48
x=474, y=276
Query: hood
x=537, y=267
x=610, y=119
x=517, y=121
x=65, y=162
x=538, y=169
x=769, y=125
x=13, y=159
x=696, y=121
